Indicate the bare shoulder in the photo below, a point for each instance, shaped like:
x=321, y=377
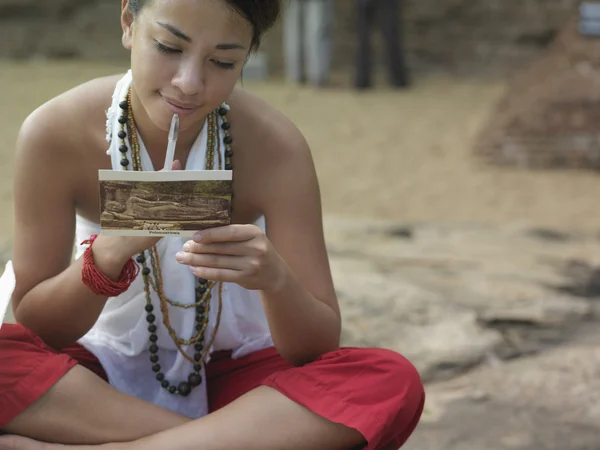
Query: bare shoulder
x=56, y=129
x=60, y=146
x=274, y=164
x=273, y=161
x=265, y=131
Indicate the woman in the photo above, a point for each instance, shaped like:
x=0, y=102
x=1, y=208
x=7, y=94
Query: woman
x=263, y=368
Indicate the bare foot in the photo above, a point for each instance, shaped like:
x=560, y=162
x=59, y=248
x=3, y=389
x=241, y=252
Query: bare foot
x=12, y=442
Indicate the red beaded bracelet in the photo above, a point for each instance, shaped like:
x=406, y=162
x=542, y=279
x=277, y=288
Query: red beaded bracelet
x=99, y=283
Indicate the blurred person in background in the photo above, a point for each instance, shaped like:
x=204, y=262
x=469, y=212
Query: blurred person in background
x=308, y=34
x=386, y=14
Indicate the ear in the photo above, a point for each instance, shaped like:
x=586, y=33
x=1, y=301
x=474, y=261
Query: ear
x=126, y=24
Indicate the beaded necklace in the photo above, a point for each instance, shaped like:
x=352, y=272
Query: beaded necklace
x=153, y=275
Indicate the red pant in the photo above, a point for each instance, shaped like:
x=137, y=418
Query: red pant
x=375, y=391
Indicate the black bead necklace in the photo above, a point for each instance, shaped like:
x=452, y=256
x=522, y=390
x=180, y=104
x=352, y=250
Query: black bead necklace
x=203, y=288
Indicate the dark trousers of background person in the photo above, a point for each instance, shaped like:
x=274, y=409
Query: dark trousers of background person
x=307, y=40
x=386, y=13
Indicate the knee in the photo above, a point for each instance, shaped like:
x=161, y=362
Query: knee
x=393, y=390
x=405, y=396
x=392, y=373
x=399, y=368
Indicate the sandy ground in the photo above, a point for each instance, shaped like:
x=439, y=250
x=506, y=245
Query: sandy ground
x=396, y=155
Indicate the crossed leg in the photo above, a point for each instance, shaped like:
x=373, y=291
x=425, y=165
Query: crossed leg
x=82, y=409
x=257, y=403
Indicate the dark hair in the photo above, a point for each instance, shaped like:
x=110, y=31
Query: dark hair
x=261, y=14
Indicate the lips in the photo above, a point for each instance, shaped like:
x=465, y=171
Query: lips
x=179, y=107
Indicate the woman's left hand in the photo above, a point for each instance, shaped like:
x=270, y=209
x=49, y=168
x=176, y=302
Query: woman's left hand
x=239, y=254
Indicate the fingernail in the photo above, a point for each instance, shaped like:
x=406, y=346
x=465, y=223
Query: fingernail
x=179, y=256
x=197, y=236
x=187, y=246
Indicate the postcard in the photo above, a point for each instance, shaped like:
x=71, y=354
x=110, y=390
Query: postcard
x=166, y=203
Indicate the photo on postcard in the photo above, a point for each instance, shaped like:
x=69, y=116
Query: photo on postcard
x=164, y=203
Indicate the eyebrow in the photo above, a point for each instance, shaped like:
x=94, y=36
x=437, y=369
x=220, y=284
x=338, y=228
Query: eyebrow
x=176, y=31
x=230, y=46
x=181, y=35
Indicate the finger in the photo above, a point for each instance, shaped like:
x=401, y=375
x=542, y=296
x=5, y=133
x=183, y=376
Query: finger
x=212, y=274
x=228, y=233
x=218, y=248
x=175, y=166
x=211, y=260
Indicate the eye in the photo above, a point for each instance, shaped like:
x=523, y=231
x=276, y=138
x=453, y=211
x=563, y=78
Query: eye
x=224, y=65
x=164, y=49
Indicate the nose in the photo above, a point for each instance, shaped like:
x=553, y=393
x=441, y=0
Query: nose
x=189, y=78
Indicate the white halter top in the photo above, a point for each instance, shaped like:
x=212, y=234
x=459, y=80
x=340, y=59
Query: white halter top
x=120, y=337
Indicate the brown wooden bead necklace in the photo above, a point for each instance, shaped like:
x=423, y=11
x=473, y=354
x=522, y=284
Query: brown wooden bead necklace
x=153, y=275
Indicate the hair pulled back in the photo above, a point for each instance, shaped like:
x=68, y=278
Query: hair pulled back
x=261, y=14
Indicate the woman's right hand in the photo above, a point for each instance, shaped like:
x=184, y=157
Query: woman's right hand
x=111, y=253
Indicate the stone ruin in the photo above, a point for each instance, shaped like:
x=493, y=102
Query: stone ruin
x=550, y=115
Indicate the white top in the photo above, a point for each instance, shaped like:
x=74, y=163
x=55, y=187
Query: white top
x=120, y=337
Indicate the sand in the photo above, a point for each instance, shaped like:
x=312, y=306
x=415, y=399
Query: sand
x=402, y=155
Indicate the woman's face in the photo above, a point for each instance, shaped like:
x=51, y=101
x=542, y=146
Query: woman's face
x=186, y=57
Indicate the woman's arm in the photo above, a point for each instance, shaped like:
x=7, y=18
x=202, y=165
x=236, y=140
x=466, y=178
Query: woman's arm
x=49, y=297
x=290, y=267
x=302, y=308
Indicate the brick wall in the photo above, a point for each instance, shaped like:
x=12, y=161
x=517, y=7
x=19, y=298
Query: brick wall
x=456, y=35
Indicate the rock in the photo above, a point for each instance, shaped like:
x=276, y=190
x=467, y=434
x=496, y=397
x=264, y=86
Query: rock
x=500, y=426
x=451, y=297
x=548, y=117
x=440, y=338
x=492, y=317
x=545, y=402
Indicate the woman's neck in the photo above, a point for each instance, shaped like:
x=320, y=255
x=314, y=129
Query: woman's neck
x=156, y=140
